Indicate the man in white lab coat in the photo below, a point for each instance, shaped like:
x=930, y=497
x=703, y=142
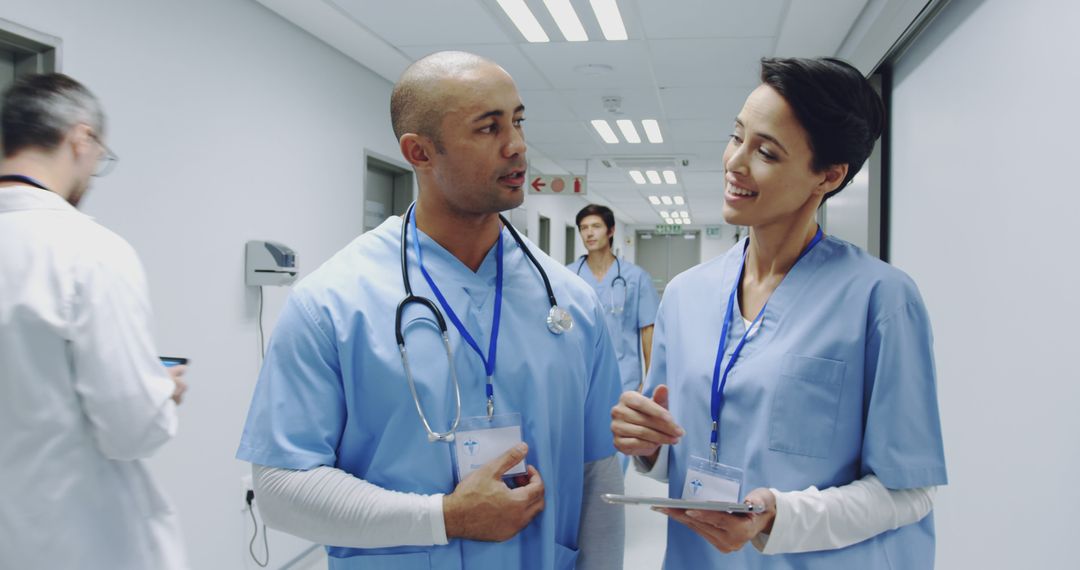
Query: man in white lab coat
x=83, y=397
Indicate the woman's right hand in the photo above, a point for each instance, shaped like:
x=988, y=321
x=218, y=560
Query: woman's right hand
x=641, y=424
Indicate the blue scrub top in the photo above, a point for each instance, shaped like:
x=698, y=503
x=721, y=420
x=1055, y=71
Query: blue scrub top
x=639, y=311
x=332, y=390
x=837, y=383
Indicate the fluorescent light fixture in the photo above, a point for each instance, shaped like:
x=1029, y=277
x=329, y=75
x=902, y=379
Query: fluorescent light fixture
x=683, y=214
x=654, y=200
x=665, y=200
x=611, y=22
x=524, y=19
x=669, y=176
x=567, y=20
x=604, y=130
x=638, y=177
x=654, y=177
x=665, y=214
x=687, y=221
x=652, y=130
x=628, y=131
x=679, y=200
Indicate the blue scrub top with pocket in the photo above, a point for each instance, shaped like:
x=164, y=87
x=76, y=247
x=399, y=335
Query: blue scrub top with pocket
x=837, y=383
x=332, y=390
x=638, y=311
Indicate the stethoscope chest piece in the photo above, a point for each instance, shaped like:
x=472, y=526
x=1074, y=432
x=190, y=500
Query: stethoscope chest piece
x=559, y=320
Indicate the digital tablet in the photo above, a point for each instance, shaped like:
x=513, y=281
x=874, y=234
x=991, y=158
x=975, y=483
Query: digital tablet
x=170, y=361
x=683, y=504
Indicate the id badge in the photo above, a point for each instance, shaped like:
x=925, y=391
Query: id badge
x=709, y=481
x=480, y=440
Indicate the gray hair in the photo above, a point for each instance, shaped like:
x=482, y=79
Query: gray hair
x=38, y=110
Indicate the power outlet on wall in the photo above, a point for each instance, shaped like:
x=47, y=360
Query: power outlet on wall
x=246, y=486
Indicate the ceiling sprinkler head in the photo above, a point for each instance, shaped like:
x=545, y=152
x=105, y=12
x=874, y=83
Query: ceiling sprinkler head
x=612, y=103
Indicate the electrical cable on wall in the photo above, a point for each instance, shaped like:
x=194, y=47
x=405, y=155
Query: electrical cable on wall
x=265, y=263
x=250, y=498
x=262, y=342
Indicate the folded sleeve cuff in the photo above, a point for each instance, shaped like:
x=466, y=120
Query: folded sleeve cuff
x=438, y=523
x=909, y=478
x=657, y=471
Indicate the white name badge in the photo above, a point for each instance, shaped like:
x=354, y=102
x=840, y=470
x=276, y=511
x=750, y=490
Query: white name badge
x=481, y=440
x=709, y=481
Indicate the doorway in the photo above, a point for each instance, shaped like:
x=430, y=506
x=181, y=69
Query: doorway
x=23, y=52
x=571, y=239
x=545, y=235
x=388, y=191
x=665, y=256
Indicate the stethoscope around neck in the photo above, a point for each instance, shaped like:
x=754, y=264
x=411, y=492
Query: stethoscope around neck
x=558, y=321
x=615, y=308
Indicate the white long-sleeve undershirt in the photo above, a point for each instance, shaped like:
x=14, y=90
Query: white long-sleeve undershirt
x=329, y=506
x=837, y=517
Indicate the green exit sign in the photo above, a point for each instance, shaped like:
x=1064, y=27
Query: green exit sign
x=668, y=229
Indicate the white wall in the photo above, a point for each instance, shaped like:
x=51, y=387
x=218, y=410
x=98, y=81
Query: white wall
x=231, y=124
x=984, y=205
x=715, y=247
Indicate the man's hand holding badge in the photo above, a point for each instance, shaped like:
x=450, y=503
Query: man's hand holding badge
x=483, y=507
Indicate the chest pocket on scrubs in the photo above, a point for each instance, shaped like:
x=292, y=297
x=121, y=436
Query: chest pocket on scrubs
x=805, y=405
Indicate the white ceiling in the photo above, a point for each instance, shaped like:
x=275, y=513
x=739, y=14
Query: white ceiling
x=687, y=63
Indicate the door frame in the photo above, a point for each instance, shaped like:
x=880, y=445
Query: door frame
x=43, y=53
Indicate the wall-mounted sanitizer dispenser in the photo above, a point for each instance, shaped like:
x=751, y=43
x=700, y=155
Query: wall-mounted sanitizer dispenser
x=269, y=263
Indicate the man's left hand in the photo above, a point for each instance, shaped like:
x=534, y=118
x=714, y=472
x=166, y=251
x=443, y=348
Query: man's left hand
x=725, y=531
x=176, y=373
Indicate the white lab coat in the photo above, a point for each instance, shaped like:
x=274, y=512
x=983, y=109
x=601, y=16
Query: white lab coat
x=83, y=398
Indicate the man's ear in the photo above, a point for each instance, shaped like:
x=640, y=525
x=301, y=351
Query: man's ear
x=417, y=150
x=80, y=138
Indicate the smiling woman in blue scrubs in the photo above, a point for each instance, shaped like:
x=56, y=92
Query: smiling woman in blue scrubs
x=795, y=366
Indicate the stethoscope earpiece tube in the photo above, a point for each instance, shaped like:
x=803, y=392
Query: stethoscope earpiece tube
x=543, y=275
x=401, y=310
x=558, y=321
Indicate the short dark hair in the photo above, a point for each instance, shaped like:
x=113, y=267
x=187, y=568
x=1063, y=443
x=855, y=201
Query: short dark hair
x=605, y=214
x=841, y=112
x=38, y=110
x=417, y=104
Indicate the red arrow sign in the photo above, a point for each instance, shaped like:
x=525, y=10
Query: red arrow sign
x=537, y=184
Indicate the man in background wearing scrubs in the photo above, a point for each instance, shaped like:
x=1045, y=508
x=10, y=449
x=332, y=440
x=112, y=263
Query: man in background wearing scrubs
x=83, y=397
x=340, y=453
x=626, y=291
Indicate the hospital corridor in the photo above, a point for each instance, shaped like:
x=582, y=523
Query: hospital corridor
x=538, y=284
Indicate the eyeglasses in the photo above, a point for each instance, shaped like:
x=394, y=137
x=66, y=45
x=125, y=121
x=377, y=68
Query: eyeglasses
x=107, y=161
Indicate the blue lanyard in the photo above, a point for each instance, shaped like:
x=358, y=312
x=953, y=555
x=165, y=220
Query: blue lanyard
x=718, y=380
x=489, y=361
x=23, y=179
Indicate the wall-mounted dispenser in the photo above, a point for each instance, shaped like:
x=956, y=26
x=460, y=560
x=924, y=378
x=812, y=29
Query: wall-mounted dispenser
x=269, y=263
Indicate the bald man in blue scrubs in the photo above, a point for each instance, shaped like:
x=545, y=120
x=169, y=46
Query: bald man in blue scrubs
x=349, y=434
